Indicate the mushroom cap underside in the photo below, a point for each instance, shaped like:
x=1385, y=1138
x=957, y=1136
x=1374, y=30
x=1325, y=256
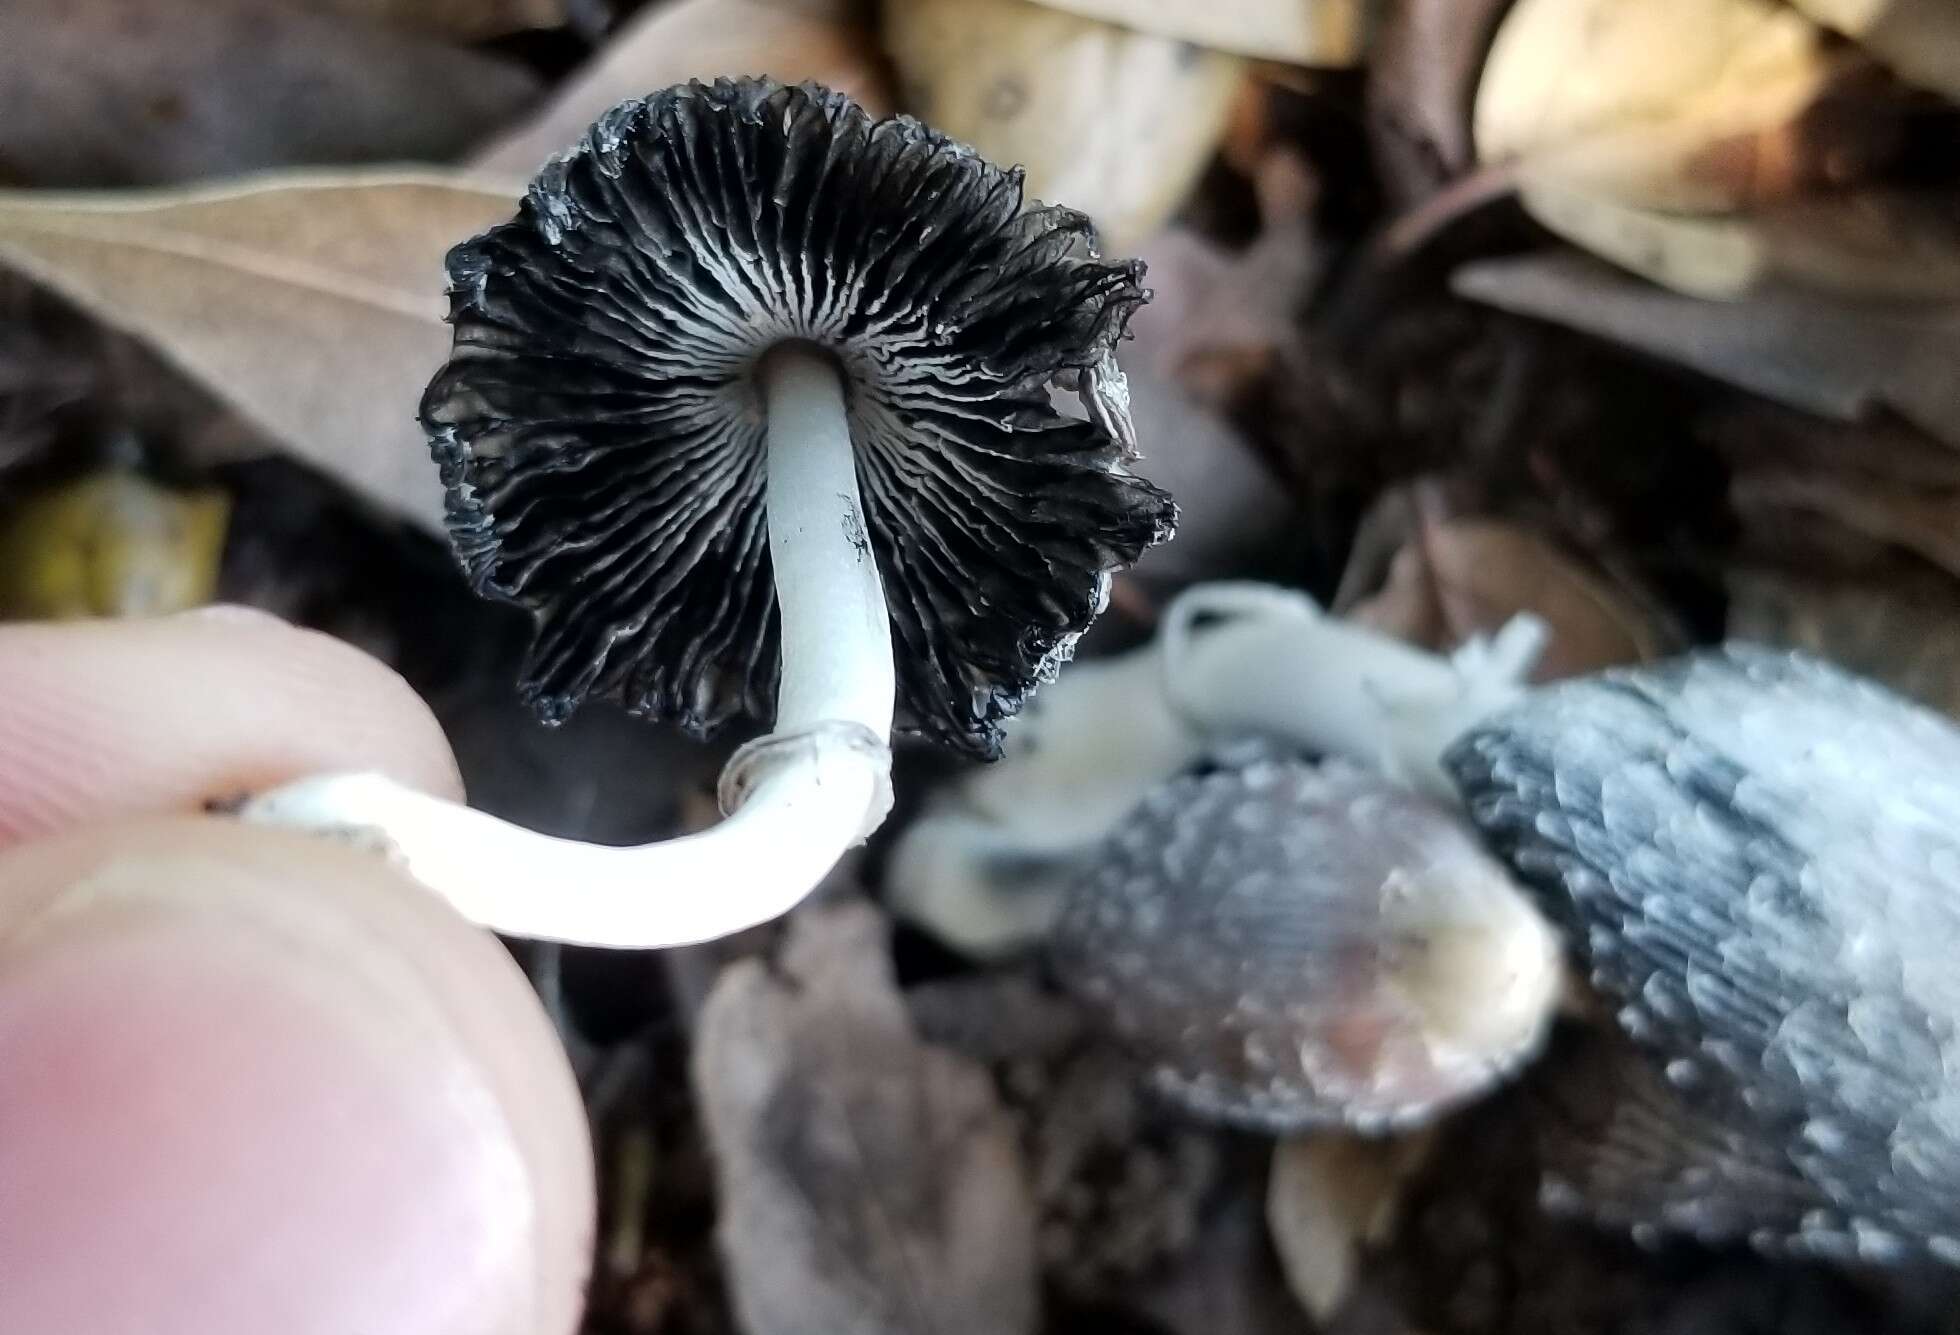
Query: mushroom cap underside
x=602, y=440
x=1756, y=858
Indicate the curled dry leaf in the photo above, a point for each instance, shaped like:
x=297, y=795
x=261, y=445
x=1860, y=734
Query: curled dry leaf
x=1803, y=349
x=311, y=301
x=1323, y=33
x=141, y=92
x=1879, y=245
x=1918, y=39
x=1671, y=104
x=1113, y=122
x=1421, y=75
x=868, y=1182
x=1329, y=1197
x=695, y=39
x=1468, y=577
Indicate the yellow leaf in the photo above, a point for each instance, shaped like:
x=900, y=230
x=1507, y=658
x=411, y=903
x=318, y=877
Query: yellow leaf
x=695, y=39
x=1918, y=39
x=311, y=301
x=1115, y=123
x=1872, y=245
x=1653, y=103
x=111, y=544
x=1330, y=34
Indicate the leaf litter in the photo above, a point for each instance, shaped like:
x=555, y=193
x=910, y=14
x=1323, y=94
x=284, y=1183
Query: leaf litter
x=1461, y=310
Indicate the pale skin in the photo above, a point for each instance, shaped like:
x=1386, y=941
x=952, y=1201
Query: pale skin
x=251, y=1080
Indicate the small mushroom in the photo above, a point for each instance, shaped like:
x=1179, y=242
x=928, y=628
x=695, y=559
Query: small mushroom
x=1755, y=857
x=986, y=866
x=751, y=401
x=1291, y=946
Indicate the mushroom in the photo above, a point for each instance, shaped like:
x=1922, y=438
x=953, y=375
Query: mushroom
x=751, y=400
x=987, y=864
x=1755, y=857
x=1289, y=946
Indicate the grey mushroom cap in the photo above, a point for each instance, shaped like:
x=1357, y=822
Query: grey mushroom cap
x=1756, y=858
x=602, y=439
x=1288, y=945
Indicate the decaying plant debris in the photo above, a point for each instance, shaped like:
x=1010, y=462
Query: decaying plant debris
x=1639, y=323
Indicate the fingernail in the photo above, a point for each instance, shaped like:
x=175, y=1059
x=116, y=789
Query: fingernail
x=210, y=1123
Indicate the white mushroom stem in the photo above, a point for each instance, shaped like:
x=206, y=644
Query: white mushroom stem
x=818, y=785
x=1231, y=660
x=837, y=632
x=1274, y=663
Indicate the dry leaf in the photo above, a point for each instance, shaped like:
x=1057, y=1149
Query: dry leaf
x=1329, y=1197
x=463, y=20
x=1923, y=521
x=110, y=544
x=311, y=301
x=147, y=92
x=1918, y=39
x=1468, y=577
x=1112, y=122
x=1216, y=317
x=694, y=39
x=1883, y=246
x=1324, y=33
x=1421, y=75
x=869, y=1182
x=1902, y=630
x=1808, y=351
x=1668, y=104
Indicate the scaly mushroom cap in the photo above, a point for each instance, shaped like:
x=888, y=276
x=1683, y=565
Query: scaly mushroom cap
x=1757, y=858
x=603, y=441
x=1289, y=945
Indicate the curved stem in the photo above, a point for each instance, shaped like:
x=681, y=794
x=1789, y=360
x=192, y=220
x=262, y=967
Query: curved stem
x=813, y=792
x=753, y=867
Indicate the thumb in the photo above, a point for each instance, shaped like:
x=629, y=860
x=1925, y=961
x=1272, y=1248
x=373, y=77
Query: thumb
x=255, y=1082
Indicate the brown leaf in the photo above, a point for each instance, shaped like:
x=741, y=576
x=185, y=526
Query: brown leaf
x=1919, y=39
x=1466, y=577
x=1113, y=122
x=146, y=92
x=1324, y=33
x=1605, y=98
x=462, y=20
x=869, y=1182
x=1871, y=245
x=1903, y=630
x=695, y=39
x=311, y=301
x=1914, y=519
x=1421, y=78
x=1806, y=350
